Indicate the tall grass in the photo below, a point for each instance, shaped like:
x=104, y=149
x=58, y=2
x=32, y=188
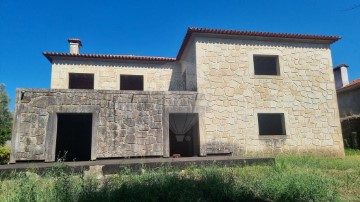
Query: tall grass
x=282, y=181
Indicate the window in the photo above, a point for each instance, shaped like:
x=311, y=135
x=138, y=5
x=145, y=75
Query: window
x=271, y=124
x=131, y=82
x=81, y=81
x=266, y=65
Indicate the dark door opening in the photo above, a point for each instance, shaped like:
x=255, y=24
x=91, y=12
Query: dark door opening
x=74, y=133
x=184, y=134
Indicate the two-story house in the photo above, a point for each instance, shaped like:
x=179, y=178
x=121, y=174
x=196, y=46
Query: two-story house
x=226, y=92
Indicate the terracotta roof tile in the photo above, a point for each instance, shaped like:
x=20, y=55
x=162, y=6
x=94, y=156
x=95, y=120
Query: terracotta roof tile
x=49, y=55
x=330, y=39
x=353, y=83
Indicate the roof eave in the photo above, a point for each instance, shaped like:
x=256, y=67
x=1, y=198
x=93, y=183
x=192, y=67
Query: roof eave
x=264, y=35
x=51, y=55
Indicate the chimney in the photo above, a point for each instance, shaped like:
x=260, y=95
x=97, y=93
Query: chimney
x=341, y=75
x=75, y=45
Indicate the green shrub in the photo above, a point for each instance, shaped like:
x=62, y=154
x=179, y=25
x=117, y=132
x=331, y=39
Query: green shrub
x=4, y=154
x=352, y=152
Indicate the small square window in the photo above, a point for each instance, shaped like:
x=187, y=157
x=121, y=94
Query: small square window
x=81, y=81
x=131, y=82
x=266, y=65
x=271, y=124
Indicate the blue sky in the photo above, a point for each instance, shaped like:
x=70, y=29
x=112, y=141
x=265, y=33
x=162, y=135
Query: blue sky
x=155, y=28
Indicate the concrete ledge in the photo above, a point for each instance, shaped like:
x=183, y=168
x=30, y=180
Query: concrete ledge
x=113, y=166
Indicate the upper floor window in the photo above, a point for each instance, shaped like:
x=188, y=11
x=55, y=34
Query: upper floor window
x=266, y=65
x=271, y=124
x=131, y=82
x=81, y=81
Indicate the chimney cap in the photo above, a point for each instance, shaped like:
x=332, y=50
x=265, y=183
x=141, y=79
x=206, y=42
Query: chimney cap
x=340, y=65
x=75, y=40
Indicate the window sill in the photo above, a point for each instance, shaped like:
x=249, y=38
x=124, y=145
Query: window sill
x=273, y=136
x=279, y=77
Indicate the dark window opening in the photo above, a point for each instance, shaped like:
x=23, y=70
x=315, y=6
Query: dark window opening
x=271, y=124
x=81, y=81
x=266, y=65
x=131, y=82
x=184, y=134
x=74, y=133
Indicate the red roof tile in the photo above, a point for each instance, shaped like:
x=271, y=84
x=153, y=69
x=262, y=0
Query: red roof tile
x=330, y=39
x=49, y=56
x=353, y=83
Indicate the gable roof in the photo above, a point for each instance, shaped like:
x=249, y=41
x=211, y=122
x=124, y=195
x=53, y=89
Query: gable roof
x=191, y=30
x=189, y=33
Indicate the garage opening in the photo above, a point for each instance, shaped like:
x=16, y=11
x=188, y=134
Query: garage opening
x=74, y=136
x=184, y=134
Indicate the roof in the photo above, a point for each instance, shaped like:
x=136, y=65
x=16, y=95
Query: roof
x=49, y=56
x=340, y=65
x=350, y=85
x=191, y=30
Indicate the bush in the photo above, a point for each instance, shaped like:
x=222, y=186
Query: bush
x=4, y=154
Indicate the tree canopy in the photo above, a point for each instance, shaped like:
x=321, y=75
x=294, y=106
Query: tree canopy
x=5, y=116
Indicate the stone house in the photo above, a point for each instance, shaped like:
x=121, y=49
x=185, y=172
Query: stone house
x=348, y=95
x=227, y=92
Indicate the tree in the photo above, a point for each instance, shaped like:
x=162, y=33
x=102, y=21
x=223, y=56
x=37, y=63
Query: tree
x=5, y=116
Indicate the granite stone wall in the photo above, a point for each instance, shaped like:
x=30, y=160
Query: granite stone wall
x=158, y=76
x=125, y=123
x=304, y=92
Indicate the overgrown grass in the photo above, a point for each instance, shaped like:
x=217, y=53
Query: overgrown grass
x=289, y=179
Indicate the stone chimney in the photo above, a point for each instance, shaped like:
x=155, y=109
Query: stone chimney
x=341, y=75
x=75, y=45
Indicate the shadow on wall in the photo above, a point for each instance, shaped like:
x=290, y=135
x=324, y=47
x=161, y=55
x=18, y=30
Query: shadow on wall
x=351, y=133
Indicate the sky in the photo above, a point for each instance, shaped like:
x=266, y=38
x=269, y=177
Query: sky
x=156, y=28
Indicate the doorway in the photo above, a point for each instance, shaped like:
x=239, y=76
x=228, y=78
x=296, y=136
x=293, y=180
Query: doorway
x=184, y=134
x=74, y=132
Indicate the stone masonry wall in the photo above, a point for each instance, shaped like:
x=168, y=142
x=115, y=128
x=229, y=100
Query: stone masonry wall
x=158, y=76
x=304, y=92
x=129, y=123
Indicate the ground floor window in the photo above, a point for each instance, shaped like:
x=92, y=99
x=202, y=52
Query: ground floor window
x=271, y=124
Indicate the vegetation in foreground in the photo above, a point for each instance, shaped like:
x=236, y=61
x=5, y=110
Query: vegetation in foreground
x=289, y=179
